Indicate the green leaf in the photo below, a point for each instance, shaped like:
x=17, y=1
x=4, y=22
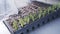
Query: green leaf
x=44, y=13
x=31, y=17
x=57, y=5
x=39, y=16
x=40, y=13
x=21, y=21
x=48, y=9
x=15, y=26
x=27, y=19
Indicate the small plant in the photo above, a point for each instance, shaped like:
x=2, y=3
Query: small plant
x=27, y=19
x=44, y=13
x=15, y=26
x=40, y=13
x=49, y=10
x=35, y=16
x=31, y=17
x=54, y=8
x=21, y=22
x=58, y=5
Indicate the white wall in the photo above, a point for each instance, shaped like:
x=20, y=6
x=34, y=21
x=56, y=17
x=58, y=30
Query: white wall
x=50, y=1
x=21, y=3
x=2, y=8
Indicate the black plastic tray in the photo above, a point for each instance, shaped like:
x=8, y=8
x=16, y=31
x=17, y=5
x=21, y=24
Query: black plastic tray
x=36, y=23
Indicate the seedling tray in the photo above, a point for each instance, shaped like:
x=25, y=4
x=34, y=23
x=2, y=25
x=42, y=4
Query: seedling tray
x=37, y=23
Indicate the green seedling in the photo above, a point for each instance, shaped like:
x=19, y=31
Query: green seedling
x=39, y=16
x=54, y=7
x=49, y=10
x=58, y=5
x=27, y=19
x=44, y=13
x=40, y=13
x=15, y=26
x=31, y=17
x=21, y=22
x=35, y=16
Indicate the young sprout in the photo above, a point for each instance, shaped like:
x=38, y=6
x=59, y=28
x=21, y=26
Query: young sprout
x=39, y=16
x=44, y=13
x=54, y=7
x=27, y=19
x=35, y=16
x=21, y=22
x=15, y=26
x=49, y=10
x=58, y=5
x=31, y=17
x=40, y=13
